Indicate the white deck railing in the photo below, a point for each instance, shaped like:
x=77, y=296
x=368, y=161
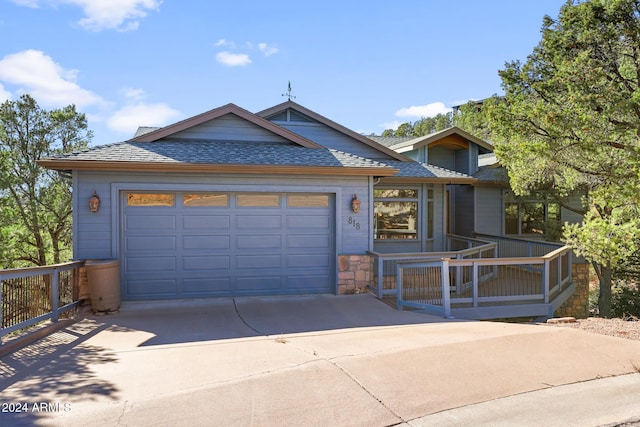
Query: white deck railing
x=34, y=294
x=459, y=247
x=486, y=277
x=486, y=287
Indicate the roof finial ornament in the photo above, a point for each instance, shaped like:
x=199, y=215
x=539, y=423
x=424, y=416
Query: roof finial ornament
x=288, y=94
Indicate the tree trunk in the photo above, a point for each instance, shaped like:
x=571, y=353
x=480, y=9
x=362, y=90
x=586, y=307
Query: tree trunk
x=604, y=298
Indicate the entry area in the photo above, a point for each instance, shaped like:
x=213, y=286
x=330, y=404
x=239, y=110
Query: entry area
x=178, y=245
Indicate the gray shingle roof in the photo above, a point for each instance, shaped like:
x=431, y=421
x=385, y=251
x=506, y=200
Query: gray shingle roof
x=423, y=170
x=221, y=152
x=492, y=174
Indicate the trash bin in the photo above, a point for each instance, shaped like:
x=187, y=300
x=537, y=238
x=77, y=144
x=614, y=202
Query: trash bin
x=104, y=284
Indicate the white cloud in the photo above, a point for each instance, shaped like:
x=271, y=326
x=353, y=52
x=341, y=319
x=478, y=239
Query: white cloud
x=391, y=125
x=28, y=3
x=4, y=95
x=233, y=59
x=33, y=72
x=225, y=43
x=267, y=50
x=419, y=111
x=121, y=15
x=127, y=119
x=132, y=93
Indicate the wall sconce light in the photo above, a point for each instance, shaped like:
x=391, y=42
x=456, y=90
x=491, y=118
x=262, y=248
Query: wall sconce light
x=94, y=202
x=355, y=204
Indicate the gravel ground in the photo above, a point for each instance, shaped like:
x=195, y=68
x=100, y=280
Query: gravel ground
x=629, y=329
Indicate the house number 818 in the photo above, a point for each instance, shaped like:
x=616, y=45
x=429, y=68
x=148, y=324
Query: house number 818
x=354, y=223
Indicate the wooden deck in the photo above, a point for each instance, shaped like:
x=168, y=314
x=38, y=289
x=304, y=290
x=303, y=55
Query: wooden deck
x=476, y=283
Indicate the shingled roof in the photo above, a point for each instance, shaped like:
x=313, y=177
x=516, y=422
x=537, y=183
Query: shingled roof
x=493, y=174
x=175, y=153
x=424, y=172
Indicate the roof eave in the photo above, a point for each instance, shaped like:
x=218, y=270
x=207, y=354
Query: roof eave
x=178, y=167
x=428, y=180
x=428, y=139
x=336, y=126
x=219, y=112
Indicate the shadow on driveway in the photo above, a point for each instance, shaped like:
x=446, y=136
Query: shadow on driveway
x=227, y=318
x=68, y=367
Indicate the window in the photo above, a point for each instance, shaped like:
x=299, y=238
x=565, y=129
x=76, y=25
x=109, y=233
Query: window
x=265, y=200
x=396, y=213
x=308, y=200
x=430, y=213
x=206, y=199
x=150, y=199
x=531, y=216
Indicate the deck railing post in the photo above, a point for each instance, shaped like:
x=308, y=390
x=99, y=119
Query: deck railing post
x=459, y=276
x=55, y=279
x=475, y=279
x=569, y=265
x=545, y=281
x=446, y=298
x=399, y=286
x=380, y=276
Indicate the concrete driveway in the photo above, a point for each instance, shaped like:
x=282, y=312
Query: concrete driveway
x=321, y=360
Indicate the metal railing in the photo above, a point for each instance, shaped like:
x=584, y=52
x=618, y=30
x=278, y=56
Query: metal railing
x=458, y=247
x=518, y=247
x=464, y=287
x=31, y=295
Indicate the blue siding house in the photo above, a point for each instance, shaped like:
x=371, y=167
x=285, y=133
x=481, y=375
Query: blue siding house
x=279, y=202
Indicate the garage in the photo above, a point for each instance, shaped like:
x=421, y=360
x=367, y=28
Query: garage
x=207, y=244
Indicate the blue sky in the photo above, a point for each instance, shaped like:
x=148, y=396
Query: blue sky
x=366, y=65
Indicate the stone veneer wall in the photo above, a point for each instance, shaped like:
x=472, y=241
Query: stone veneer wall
x=354, y=273
x=578, y=304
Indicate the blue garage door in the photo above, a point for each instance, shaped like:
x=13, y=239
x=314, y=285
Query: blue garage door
x=195, y=244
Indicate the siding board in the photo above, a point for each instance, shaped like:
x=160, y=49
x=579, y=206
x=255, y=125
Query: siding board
x=331, y=138
x=229, y=128
x=489, y=210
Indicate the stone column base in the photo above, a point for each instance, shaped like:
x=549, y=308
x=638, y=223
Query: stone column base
x=578, y=304
x=354, y=273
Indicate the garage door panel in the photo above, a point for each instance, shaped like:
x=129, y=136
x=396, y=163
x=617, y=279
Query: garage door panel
x=206, y=242
x=257, y=285
x=306, y=241
x=307, y=283
x=259, y=241
x=151, y=243
x=147, y=263
x=152, y=287
x=203, y=222
x=151, y=222
x=307, y=260
x=211, y=285
x=308, y=222
x=259, y=222
x=258, y=261
x=211, y=262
